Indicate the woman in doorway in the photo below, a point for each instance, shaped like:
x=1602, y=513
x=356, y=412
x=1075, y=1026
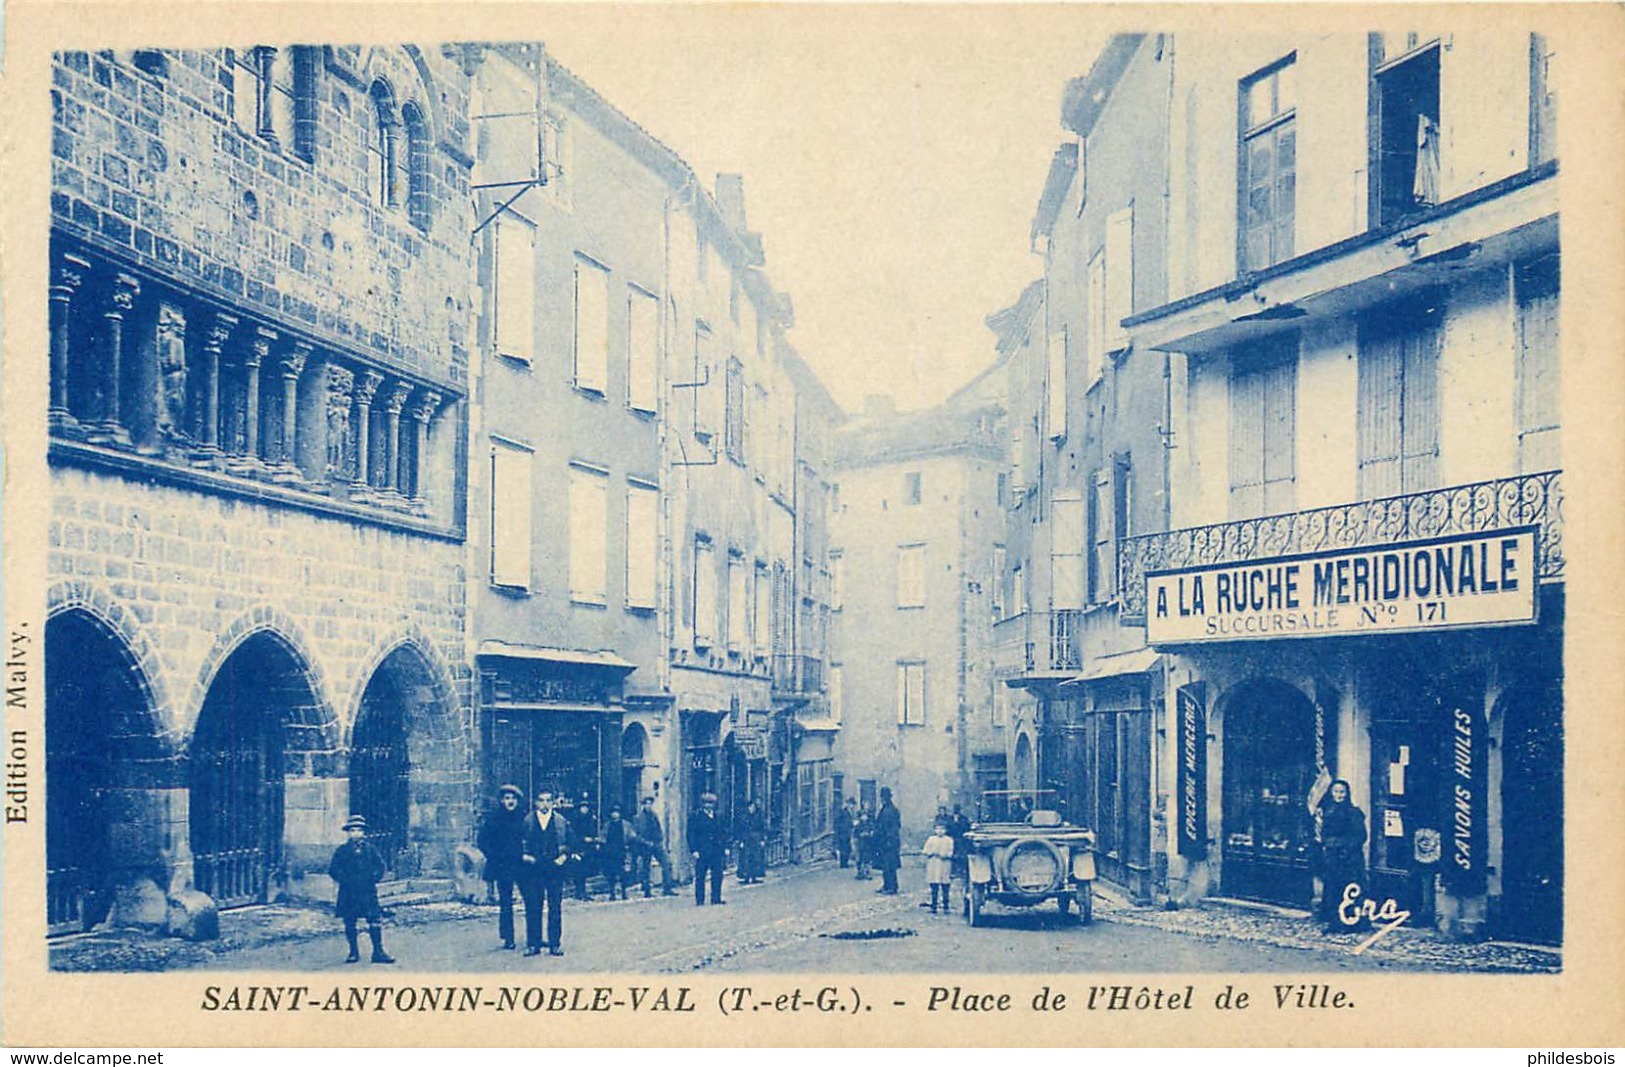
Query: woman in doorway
x=752, y=844
x=1342, y=855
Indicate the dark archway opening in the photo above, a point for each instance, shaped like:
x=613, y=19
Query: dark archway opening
x=1269, y=767
x=1532, y=814
x=634, y=760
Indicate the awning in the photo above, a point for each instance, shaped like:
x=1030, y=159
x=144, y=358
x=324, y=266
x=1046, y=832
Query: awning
x=1116, y=666
x=819, y=726
x=572, y=657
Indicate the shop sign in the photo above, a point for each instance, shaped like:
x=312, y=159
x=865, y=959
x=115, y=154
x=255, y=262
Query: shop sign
x=1483, y=579
x=1465, y=803
x=1192, y=705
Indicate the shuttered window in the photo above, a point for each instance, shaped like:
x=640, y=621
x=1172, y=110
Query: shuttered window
x=642, y=349
x=589, y=561
x=592, y=327
x=1398, y=404
x=1119, y=277
x=642, y=548
x=911, y=694
x=1067, y=533
x=515, y=296
x=1263, y=432
x=1055, y=382
x=510, y=516
x=911, y=576
x=1094, y=356
x=762, y=622
x=705, y=594
x=738, y=609
x=1539, y=364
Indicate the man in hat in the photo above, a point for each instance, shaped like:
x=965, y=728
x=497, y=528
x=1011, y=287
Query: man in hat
x=708, y=841
x=502, y=840
x=544, y=855
x=650, y=844
x=613, y=845
x=888, y=842
x=357, y=868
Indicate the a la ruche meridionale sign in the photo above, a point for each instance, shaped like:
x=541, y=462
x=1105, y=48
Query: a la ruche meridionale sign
x=1482, y=579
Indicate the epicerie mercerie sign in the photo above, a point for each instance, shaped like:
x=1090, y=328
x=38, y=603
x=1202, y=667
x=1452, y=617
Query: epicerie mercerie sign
x=1483, y=579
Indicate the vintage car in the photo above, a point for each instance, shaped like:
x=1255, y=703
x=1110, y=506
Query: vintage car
x=1021, y=852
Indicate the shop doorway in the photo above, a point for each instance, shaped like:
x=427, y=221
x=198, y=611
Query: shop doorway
x=1532, y=815
x=1269, y=767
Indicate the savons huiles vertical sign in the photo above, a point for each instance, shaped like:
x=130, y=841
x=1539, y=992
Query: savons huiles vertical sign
x=1485, y=579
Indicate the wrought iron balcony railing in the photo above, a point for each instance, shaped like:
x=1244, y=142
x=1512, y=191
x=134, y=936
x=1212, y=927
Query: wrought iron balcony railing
x=1523, y=500
x=1038, y=642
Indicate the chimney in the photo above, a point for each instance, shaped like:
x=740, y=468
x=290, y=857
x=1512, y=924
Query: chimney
x=731, y=201
x=878, y=406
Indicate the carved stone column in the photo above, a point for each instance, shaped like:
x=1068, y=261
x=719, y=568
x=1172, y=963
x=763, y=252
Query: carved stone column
x=423, y=410
x=215, y=335
x=393, y=405
x=66, y=280
x=366, y=387
x=247, y=460
x=169, y=400
x=109, y=429
x=264, y=59
x=286, y=467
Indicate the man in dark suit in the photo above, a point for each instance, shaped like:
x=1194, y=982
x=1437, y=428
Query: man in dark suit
x=544, y=857
x=502, y=840
x=708, y=842
x=888, y=842
x=650, y=845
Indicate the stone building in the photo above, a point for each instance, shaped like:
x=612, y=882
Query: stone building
x=915, y=531
x=1363, y=574
x=259, y=264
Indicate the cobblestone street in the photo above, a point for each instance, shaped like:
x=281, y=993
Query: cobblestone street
x=816, y=919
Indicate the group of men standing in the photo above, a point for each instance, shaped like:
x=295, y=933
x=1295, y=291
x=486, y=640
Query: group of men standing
x=537, y=851
x=874, y=837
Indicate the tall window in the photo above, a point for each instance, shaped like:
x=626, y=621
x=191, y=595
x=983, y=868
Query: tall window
x=997, y=582
x=1405, y=95
x=1108, y=525
x=705, y=593
x=761, y=608
x=1263, y=431
x=1094, y=355
x=911, y=576
x=1536, y=287
x=510, y=515
x=1055, y=382
x=642, y=350
x=417, y=165
x=385, y=158
x=1119, y=294
x=642, y=545
x=282, y=95
x=1066, y=552
x=837, y=580
x=1398, y=427
x=515, y=295
x=592, y=327
x=735, y=414
x=911, y=488
x=1018, y=590
x=835, y=695
x=589, y=527
x=911, y=694
x=738, y=607
x=1268, y=180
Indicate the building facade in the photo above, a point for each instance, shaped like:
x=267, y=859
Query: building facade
x=255, y=581
x=915, y=532
x=1363, y=572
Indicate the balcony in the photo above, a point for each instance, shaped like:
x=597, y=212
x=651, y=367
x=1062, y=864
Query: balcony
x=797, y=674
x=1038, y=645
x=1482, y=507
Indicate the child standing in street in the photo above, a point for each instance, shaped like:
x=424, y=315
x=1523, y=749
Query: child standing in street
x=939, y=858
x=357, y=868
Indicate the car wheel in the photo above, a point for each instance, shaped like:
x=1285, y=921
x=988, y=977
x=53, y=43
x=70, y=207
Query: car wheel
x=1086, y=903
x=974, y=902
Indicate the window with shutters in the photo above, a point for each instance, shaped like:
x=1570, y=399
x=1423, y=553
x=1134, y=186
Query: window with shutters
x=1094, y=355
x=911, y=576
x=642, y=350
x=762, y=625
x=738, y=606
x=1536, y=286
x=1542, y=100
x=515, y=295
x=911, y=488
x=1267, y=184
x=997, y=582
x=911, y=694
x=1398, y=413
x=1067, y=533
x=589, y=527
x=1263, y=431
x=835, y=694
x=642, y=545
x=1018, y=591
x=1108, y=525
x=592, y=327
x=705, y=593
x=1119, y=295
x=510, y=515
x=1055, y=383
x=735, y=415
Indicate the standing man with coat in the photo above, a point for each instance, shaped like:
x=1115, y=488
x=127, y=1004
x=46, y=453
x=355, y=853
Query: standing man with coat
x=844, y=820
x=708, y=842
x=502, y=840
x=545, y=856
x=650, y=845
x=888, y=842
x=357, y=868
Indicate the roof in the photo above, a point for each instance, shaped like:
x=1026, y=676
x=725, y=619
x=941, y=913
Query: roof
x=1062, y=167
x=1086, y=97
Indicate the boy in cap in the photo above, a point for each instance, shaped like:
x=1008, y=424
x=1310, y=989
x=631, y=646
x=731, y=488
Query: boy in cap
x=357, y=868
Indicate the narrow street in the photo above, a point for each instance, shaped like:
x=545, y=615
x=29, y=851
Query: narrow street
x=814, y=920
